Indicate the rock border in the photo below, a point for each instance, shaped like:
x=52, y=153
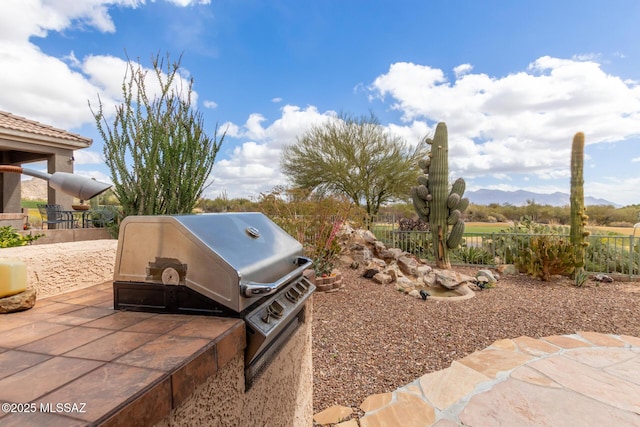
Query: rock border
x=409, y=274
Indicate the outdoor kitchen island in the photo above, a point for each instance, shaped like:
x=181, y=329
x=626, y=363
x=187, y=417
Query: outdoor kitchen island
x=74, y=361
x=96, y=356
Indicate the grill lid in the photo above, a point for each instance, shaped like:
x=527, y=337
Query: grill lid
x=228, y=257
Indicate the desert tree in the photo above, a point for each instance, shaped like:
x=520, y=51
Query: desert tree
x=352, y=156
x=156, y=147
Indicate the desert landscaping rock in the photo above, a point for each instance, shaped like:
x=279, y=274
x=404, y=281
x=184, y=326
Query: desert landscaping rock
x=486, y=276
x=392, y=265
x=408, y=265
x=333, y=415
x=382, y=278
x=19, y=302
x=451, y=279
x=507, y=269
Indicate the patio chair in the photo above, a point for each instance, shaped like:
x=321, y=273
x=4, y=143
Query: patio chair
x=103, y=216
x=56, y=216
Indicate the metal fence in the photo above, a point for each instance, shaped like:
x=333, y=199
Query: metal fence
x=605, y=254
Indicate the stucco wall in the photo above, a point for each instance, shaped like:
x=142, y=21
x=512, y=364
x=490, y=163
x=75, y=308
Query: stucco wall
x=62, y=267
x=280, y=397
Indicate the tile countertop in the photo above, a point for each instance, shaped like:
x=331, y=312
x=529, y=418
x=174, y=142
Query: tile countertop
x=74, y=361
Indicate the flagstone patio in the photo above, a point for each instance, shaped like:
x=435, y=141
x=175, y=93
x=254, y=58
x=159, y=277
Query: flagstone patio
x=587, y=379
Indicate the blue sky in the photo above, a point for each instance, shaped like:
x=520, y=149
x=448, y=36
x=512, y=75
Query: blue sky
x=513, y=80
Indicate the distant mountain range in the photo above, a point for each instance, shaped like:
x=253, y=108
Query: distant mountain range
x=520, y=198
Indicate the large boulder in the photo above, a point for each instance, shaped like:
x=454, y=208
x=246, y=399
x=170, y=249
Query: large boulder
x=360, y=253
x=382, y=278
x=452, y=279
x=481, y=275
x=408, y=265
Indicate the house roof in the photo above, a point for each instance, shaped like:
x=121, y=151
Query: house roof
x=20, y=129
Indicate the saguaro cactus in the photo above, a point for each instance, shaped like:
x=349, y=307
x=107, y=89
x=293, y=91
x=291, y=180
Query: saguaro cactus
x=433, y=201
x=578, y=211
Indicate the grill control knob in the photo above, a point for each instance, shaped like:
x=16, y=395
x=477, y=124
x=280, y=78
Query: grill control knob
x=275, y=310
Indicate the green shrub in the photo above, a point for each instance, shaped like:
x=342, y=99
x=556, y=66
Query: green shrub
x=313, y=221
x=546, y=256
x=9, y=237
x=602, y=256
x=536, y=249
x=472, y=255
x=414, y=242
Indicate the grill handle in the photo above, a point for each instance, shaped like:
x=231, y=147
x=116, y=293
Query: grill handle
x=255, y=289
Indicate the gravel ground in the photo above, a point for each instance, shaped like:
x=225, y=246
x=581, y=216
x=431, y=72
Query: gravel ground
x=369, y=338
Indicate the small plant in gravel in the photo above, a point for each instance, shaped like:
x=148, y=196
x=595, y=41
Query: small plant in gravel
x=580, y=278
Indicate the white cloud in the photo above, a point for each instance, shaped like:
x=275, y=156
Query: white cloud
x=412, y=134
x=21, y=19
x=625, y=190
x=493, y=121
x=232, y=130
x=254, y=166
x=586, y=57
x=210, y=104
x=463, y=69
x=184, y=3
x=636, y=159
x=276, y=100
x=86, y=157
x=55, y=90
x=43, y=88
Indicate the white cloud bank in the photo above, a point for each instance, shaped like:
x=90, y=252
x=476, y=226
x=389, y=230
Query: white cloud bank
x=54, y=90
x=520, y=123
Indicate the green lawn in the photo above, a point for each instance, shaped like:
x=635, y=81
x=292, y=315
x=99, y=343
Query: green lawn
x=31, y=204
x=485, y=227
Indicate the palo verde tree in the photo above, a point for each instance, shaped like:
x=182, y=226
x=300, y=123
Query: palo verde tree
x=352, y=156
x=156, y=148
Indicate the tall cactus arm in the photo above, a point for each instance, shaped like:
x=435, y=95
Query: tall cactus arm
x=578, y=216
x=433, y=201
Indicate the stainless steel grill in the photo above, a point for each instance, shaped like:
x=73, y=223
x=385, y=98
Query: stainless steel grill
x=233, y=264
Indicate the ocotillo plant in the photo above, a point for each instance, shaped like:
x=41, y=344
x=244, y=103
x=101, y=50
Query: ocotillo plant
x=578, y=216
x=433, y=201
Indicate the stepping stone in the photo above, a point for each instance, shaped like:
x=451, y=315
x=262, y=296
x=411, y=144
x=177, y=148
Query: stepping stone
x=376, y=401
x=407, y=410
x=333, y=415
